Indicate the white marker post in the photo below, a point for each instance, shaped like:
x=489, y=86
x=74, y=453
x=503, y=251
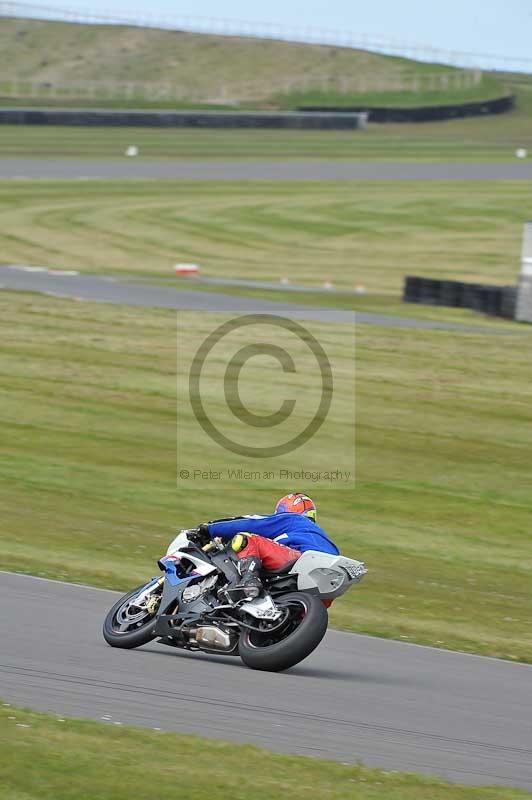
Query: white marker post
x=523, y=309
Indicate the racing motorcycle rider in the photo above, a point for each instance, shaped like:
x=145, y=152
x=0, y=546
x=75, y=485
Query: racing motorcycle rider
x=268, y=541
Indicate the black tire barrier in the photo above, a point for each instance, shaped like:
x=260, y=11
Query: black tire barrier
x=499, y=301
x=499, y=105
x=319, y=120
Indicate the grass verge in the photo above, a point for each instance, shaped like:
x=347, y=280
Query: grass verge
x=387, y=304
x=487, y=89
x=47, y=757
x=370, y=233
x=473, y=139
x=491, y=138
x=442, y=504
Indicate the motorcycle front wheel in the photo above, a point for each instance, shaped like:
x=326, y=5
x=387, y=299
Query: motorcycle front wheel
x=303, y=629
x=128, y=625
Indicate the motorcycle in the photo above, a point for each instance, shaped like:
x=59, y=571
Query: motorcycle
x=188, y=607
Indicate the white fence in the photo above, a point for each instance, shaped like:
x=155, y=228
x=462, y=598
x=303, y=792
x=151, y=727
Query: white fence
x=222, y=93
x=267, y=30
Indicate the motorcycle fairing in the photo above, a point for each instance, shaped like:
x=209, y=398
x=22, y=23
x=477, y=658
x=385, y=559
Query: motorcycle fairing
x=188, y=613
x=330, y=575
x=169, y=564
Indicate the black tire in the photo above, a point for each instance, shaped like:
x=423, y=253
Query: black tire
x=133, y=637
x=297, y=645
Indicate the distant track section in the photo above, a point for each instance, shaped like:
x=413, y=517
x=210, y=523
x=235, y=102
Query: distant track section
x=275, y=170
x=108, y=289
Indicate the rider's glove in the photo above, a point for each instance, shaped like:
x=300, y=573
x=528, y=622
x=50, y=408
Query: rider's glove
x=200, y=535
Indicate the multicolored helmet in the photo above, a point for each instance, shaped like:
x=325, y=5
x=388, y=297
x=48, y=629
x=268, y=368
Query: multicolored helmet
x=296, y=503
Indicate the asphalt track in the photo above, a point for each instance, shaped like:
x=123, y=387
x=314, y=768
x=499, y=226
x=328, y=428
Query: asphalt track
x=357, y=698
x=301, y=170
x=64, y=283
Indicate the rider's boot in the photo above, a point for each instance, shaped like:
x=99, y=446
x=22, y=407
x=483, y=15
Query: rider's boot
x=250, y=585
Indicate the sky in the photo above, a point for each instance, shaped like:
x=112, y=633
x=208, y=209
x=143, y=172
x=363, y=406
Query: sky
x=483, y=26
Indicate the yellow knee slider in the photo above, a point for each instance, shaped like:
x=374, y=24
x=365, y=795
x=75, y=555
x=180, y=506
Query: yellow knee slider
x=238, y=542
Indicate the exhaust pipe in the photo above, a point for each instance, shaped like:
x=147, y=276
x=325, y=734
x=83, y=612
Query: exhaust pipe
x=210, y=637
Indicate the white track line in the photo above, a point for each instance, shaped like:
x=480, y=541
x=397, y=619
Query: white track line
x=59, y=272
x=63, y=583
x=22, y=268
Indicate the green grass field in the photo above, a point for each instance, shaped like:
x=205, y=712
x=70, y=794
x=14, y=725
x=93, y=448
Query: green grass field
x=253, y=73
x=487, y=89
x=493, y=138
x=288, y=101
x=46, y=757
x=473, y=139
x=442, y=502
x=369, y=233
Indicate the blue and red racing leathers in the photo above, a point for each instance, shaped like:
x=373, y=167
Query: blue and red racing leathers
x=277, y=538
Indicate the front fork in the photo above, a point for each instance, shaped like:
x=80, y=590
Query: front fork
x=151, y=600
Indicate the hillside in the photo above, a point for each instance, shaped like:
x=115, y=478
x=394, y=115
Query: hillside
x=55, y=61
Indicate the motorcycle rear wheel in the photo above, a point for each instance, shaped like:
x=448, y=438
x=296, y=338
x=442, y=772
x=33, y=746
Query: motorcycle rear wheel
x=124, y=629
x=306, y=626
